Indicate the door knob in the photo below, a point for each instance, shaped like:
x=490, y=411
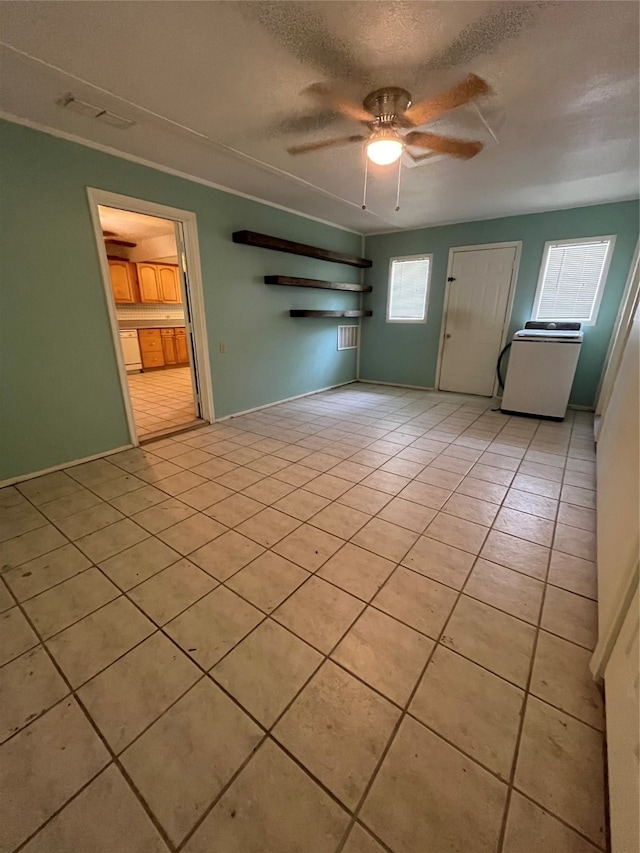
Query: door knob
x=447, y=336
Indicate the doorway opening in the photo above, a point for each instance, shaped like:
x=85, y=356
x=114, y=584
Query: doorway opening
x=153, y=302
x=477, y=311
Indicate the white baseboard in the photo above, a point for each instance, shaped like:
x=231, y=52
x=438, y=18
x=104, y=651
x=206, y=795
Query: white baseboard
x=21, y=479
x=397, y=385
x=285, y=400
x=13, y=480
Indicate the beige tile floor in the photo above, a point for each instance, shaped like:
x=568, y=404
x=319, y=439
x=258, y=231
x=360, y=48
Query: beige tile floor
x=161, y=399
x=358, y=622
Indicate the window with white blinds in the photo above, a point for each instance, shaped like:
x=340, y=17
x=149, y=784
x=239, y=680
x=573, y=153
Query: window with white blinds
x=408, y=289
x=572, y=278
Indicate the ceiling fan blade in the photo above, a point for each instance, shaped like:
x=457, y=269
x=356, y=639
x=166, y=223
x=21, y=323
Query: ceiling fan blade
x=326, y=143
x=113, y=242
x=429, y=110
x=462, y=148
x=307, y=123
x=348, y=108
x=342, y=105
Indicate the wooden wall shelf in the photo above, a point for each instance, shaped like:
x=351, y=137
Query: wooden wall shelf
x=297, y=312
x=263, y=241
x=315, y=282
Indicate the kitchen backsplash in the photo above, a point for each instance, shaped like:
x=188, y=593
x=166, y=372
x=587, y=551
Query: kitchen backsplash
x=150, y=312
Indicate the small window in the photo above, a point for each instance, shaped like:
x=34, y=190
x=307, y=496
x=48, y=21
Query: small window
x=572, y=278
x=408, y=289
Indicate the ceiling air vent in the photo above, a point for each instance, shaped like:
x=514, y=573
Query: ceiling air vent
x=81, y=107
x=84, y=108
x=348, y=337
x=115, y=120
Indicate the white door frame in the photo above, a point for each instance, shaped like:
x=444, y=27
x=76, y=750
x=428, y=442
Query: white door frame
x=624, y=320
x=517, y=245
x=192, y=251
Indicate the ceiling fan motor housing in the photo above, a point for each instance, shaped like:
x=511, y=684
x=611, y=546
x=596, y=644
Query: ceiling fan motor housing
x=387, y=104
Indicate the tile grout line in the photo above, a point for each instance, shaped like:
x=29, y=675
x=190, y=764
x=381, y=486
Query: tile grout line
x=366, y=603
x=152, y=535
x=403, y=715
x=406, y=711
x=527, y=694
x=596, y=847
x=326, y=657
x=523, y=711
x=114, y=758
x=399, y=722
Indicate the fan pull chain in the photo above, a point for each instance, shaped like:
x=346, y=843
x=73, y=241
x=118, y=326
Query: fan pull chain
x=398, y=190
x=484, y=121
x=366, y=173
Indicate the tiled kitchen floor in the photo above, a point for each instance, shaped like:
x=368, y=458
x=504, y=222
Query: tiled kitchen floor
x=360, y=621
x=161, y=399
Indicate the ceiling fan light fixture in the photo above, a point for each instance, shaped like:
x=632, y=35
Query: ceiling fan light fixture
x=384, y=147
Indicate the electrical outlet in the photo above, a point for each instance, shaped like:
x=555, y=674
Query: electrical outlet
x=223, y=347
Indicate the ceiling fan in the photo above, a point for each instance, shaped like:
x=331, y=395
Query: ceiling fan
x=388, y=111
x=111, y=237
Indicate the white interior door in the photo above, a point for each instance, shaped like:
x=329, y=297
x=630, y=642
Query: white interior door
x=623, y=704
x=476, y=313
x=618, y=537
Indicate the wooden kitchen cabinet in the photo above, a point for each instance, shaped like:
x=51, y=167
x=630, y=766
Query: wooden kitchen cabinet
x=159, y=283
x=151, y=349
x=123, y=280
x=163, y=347
x=169, y=346
x=169, y=283
x=149, y=338
x=182, y=353
x=152, y=359
x=148, y=283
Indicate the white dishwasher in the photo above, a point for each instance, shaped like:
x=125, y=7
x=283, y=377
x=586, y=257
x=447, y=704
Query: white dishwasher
x=131, y=350
x=542, y=364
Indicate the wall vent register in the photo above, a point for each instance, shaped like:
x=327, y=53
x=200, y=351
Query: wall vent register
x=348, y=337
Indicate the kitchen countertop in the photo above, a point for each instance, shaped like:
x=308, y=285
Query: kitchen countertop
x=128, y=325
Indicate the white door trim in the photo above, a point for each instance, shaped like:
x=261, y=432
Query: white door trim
x=517, y=245
x=190, y=231
x=626, y=313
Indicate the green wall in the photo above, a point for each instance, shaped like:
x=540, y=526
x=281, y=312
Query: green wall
x=60, y=395
x=60, y=398
x=407, y=354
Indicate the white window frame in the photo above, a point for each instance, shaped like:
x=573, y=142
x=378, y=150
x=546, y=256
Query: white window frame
x=421, y=257
x=611, y=238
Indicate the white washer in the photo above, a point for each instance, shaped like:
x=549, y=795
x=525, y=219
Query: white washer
x=542, y=364
x=131, y=350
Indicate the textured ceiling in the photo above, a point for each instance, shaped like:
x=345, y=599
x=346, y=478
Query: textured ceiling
x=133, y=226
x=216, y=91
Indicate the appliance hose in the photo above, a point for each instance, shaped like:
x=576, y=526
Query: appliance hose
x=499, y=365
